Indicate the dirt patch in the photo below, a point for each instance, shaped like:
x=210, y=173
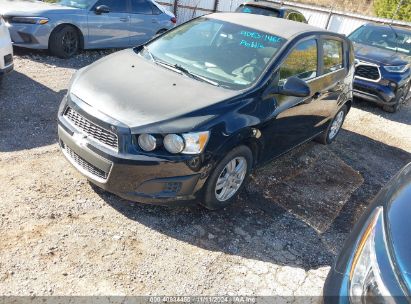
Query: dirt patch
x=311, y=183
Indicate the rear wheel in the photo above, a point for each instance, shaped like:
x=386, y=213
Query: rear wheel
x=228, y=178
x=64, y=42
x=329, y=135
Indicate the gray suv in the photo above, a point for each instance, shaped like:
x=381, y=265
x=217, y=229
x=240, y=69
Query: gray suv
x=69, y=25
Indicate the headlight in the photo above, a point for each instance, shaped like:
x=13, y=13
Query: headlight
x=30, y=20
x=173, y=143
x=188, y=143
x=147, y=142
x=365, y=278
x=397, y=68
x=195, y=142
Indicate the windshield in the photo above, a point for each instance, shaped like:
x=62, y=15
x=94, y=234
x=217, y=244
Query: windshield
x=84, y=4
x=258, y=10
x=227, y=54
x=393, y=39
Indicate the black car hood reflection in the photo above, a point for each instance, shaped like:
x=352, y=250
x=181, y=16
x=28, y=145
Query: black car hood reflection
x=137, y=92
x=379, y=56
x=398, y=216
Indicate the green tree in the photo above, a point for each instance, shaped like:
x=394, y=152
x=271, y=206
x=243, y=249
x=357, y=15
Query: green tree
x=387, y=8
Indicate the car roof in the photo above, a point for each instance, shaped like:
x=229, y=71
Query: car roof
x=268, y=4
x=275, y=26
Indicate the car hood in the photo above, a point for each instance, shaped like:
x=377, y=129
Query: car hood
x=31, y=8
x=138, y=92
x=398, y=214
x=379, y=56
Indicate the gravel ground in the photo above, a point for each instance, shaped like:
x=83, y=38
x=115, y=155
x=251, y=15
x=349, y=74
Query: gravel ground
x=61, y=236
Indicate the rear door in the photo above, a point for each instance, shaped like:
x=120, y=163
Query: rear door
x=334, y=69
x=109, y=30
x=144, y=22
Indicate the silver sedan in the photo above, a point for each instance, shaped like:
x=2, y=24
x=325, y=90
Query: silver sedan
x=69, y=25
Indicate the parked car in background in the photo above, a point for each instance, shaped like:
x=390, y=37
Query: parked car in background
x=6, y=51
x=70, y=25
x=267, y=8
x=236, y=90
x=375, y=263
x=383, y=69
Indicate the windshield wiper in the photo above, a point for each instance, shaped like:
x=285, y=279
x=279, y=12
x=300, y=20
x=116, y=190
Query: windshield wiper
x=178, y=68
x=195, y=76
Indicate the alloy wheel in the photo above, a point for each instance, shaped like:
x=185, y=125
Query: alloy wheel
x=336, y=125
x=231, y=178
x=70, y=43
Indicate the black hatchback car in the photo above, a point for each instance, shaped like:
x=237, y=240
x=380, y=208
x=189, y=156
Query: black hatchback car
x=268, y=8
x=375, y=263
x=191, y=113
x=383, y=68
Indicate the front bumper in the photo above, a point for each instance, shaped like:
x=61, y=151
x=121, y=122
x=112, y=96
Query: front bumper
x=137, y=177
x=31, y=36
x=336, y=288
x=374, y=92
x=6, y=70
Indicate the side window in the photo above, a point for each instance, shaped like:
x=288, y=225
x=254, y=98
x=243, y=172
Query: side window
x=300, y=18
x=301, y=62
x=333, y=55
x=116, y=6
x=292, y=16
x=296, y=17
x=141, y=7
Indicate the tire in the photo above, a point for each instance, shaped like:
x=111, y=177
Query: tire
x=213, y=198
x=64, y=42
x=329, y=135
x=399, y=99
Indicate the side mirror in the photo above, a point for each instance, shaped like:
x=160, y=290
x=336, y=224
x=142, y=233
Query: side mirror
x=295, y=86
x=102, y=9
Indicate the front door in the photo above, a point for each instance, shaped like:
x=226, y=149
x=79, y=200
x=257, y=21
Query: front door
x=295, y=119
x=109, y=30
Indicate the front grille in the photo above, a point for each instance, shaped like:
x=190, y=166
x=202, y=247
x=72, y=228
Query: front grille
x=8, y=59
x=100, y=134
x=365, y=89
x=367, y=71
x=7, y=18
x=85, y=164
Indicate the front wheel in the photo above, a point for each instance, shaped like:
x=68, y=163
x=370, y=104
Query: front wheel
x=228, y=178
x=64, y=42
x=400, y=98
x=329, y=135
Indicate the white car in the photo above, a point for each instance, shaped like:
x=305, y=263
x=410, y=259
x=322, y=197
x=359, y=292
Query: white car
x=6, y=50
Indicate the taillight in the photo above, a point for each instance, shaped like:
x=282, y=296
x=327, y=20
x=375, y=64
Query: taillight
x=174, y=20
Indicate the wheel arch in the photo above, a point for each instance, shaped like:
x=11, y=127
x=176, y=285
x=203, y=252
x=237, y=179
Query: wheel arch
x=61, y=25
x=348, y=104
x=249, y=137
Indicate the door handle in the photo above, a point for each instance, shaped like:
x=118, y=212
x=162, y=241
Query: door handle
x=154, y=20
x=124, y=19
